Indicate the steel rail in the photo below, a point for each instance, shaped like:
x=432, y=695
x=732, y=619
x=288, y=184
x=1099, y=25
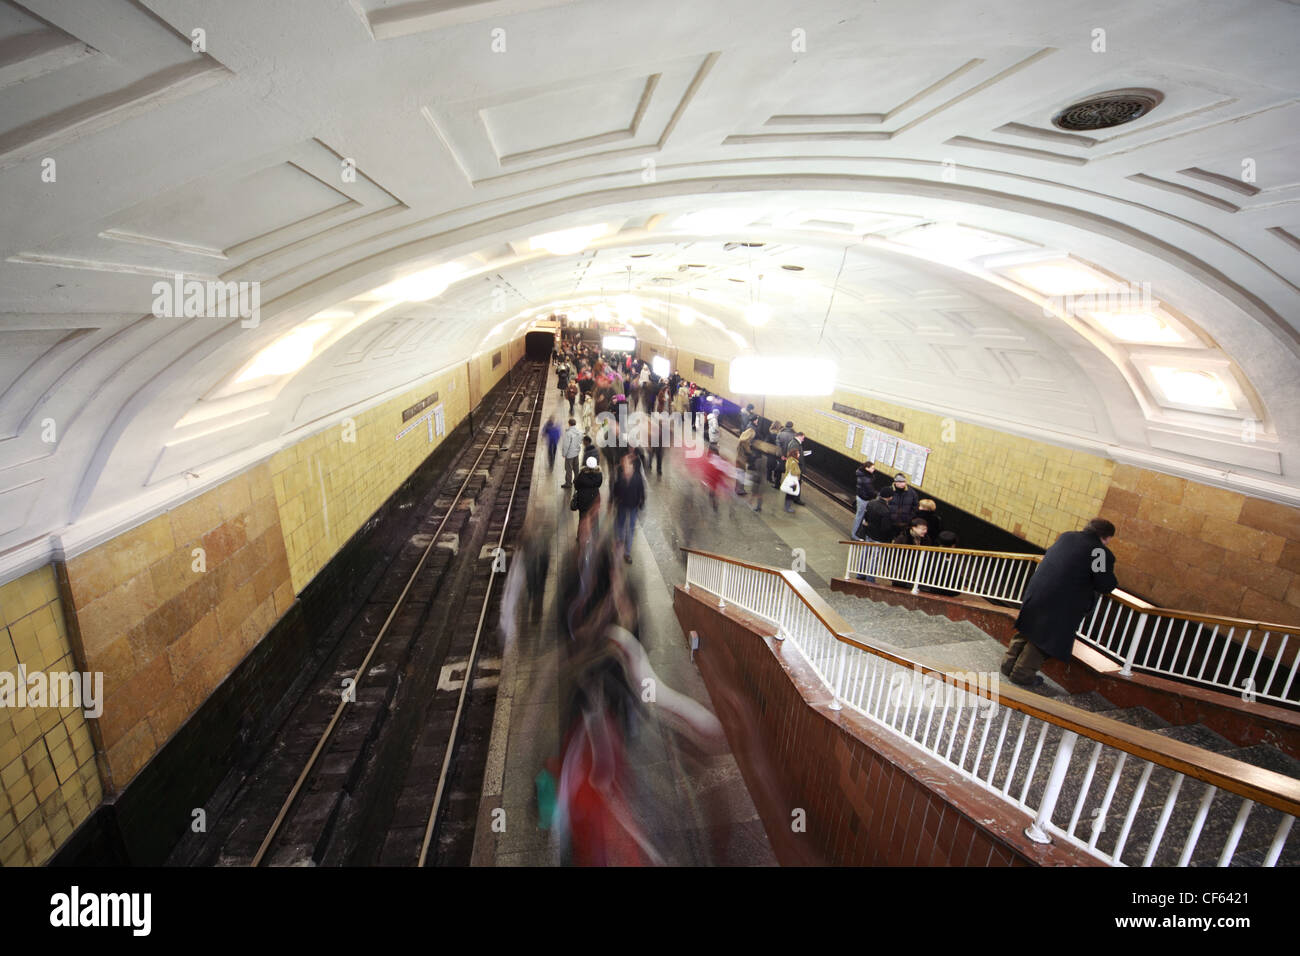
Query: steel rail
x=292, y=798
x=436, y=808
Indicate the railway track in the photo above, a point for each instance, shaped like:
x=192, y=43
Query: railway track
x=351, y=761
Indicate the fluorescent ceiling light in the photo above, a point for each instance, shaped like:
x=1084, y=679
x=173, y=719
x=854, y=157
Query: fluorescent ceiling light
x=1142, y=327
x=603, y=314
x=629, y=308
x=286, y=354
x=1187, y=386
x=686, y=316
x=618, y=343
x=950, y=241
x=421, y=286
x=565, y=242
x=783, y=375
x=660, y=366
x=1059, y=277
x=711, y=221
x=757, y=313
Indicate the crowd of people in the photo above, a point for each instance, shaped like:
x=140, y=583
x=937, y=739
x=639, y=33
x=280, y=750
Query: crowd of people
x=623, y=416
x=894, y=513
x=594, y=792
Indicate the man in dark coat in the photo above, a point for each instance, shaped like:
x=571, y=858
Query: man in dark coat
x=904, y=504
x=1060, y=593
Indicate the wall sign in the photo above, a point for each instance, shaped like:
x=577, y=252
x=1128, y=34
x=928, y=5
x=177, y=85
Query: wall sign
x=434, y=420
x=704, y=368
x=910, y=459
x=868, y=416
x=419, y=406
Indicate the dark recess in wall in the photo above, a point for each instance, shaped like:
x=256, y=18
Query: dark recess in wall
x=538, y=345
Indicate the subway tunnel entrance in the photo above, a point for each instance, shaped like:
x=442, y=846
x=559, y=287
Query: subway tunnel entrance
x=538, y=345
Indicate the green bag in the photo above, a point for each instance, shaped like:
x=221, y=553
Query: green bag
x=546, y=799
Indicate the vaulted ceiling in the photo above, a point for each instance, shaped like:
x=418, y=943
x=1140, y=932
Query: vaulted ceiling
x=885, y=177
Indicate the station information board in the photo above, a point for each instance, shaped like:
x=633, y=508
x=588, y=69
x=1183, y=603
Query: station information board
x=889, y=452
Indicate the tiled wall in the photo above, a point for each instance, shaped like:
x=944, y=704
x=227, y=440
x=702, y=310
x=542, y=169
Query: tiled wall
x=49, y=782
x=1179, y=543
x=1198, y=548
x=166, y=624
x=327, y=487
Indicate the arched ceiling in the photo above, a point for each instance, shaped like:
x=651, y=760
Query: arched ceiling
x=900, y=155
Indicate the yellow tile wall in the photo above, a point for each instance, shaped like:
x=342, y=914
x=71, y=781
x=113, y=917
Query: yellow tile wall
x=49, y=782
x=1030, y=488
x=164, y=630
x=326, y=488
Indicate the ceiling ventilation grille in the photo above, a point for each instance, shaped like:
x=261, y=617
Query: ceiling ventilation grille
x=1107, y=110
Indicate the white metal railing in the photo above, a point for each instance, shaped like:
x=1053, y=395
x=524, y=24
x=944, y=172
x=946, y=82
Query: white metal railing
x=1243, y=657
x=1251, y=658
x=1077, y=778
x=989, y=574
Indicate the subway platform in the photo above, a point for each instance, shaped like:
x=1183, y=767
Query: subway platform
x=702, y=797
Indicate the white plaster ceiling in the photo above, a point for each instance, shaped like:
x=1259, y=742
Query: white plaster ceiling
x=826, y=131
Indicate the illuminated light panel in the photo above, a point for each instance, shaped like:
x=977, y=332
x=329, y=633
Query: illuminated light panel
x=421, y=286
x=1187, y=386
x=660, y=366
x=618, y=343
x=1059, y=277
x=629, y=308
x=686, y=316
x=759, y=375
x=758, y=314
x=1146, y=328
x=603, y=314
x=287, y=354
x=950, y=241
x=565, y=242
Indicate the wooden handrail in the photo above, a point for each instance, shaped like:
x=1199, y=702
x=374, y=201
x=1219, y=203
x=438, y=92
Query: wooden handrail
x=936, y=547
x=1119, y=595
x=1246, y=780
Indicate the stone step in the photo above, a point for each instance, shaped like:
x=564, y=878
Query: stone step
x=966, y=729
x=1269, y=758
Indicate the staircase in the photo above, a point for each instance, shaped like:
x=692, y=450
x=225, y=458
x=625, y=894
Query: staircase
x=961, y=646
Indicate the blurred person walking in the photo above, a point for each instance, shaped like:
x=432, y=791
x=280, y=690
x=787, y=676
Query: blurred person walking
x=628, y=499
x=552, y=432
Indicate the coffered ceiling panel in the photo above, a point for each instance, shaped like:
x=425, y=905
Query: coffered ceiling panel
x=885, y=178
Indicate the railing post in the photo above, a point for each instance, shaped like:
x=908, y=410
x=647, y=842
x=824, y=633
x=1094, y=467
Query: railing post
x=689, y=558
x=1127, y=669
x=722, y=588
x=1037, y=831
x=920, y=569
x=781, y=608
x=837, y=687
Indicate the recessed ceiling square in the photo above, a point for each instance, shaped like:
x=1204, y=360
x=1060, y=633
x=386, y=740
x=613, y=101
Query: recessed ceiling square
x=566, y=119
